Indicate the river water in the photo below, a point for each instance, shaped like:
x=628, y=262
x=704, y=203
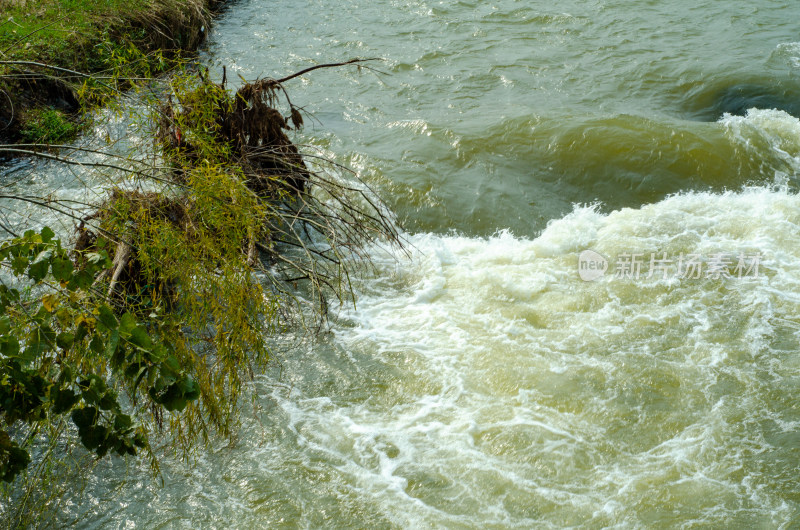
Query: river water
x=482, y=383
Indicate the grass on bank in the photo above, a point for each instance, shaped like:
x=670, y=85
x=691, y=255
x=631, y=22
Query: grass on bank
x=86, y=34
x=56, y=32
x=119, y=39
x=48, y=126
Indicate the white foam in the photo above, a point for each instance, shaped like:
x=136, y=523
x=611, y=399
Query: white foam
x=492, y=320
x=791, y=51
x=763, y=131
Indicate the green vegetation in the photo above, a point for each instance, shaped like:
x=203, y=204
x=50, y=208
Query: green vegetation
x=151, y=326
x=58, y=33
x=57, y=348
x=48, y=126
x=119, y=40
x=87, y=35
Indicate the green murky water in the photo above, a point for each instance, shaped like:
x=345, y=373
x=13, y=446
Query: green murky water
x=482, y=383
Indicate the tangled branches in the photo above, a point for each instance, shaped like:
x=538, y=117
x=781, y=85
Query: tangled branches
x=242, y=229
x=231, y=151
x=173, y=287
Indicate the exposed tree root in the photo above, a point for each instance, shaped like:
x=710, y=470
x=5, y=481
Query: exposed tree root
x=243, y=135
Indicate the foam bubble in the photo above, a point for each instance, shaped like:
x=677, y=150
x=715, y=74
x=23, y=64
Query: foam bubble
x=590, y=397
x=790, y=51
x=767, y=131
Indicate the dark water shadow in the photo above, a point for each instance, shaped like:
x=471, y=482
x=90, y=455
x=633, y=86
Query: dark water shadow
x=710, y=102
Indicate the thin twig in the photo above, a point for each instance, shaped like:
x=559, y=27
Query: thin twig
x=55, y=68
x=326, y=65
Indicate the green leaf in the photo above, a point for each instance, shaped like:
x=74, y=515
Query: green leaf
x=81, y=280
x=107, y=318
x=94, y=388
x=93, y=437
x=118, y=357
x=38, y=269
x=62, y=269
x=172, y=398
x=12, y=294
x=9, y=346
x=135, y=370
x=47, y=234
x=158, y=353
x=176, y=404
x=108, y=401
x=105, y=444
x=113, y=342
x=139, y=440
x=66, y=374
x=96, y=345
x=65, y=340
x=13, y=459
x=39, y=342
x=126, y=324
x=90, y=395
x=191, y=390
x=140, y=338
x=42, y=315
x=122, y=422
x=19, y=264
x=62, y=399
x=98, y=382
x=81, y=332
x=84, y=417
x=163, y=382
x=125, y=447
x=171, y=364
x=64, y=316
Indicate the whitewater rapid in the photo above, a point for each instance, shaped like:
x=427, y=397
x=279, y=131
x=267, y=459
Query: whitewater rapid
x=480, y=382
x=596, y=402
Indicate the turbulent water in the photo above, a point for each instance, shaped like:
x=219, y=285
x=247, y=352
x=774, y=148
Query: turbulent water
x=482, y=383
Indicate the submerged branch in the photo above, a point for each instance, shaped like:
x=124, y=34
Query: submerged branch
x=326, y=65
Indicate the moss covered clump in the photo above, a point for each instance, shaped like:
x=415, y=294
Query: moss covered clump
x=48, y=126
